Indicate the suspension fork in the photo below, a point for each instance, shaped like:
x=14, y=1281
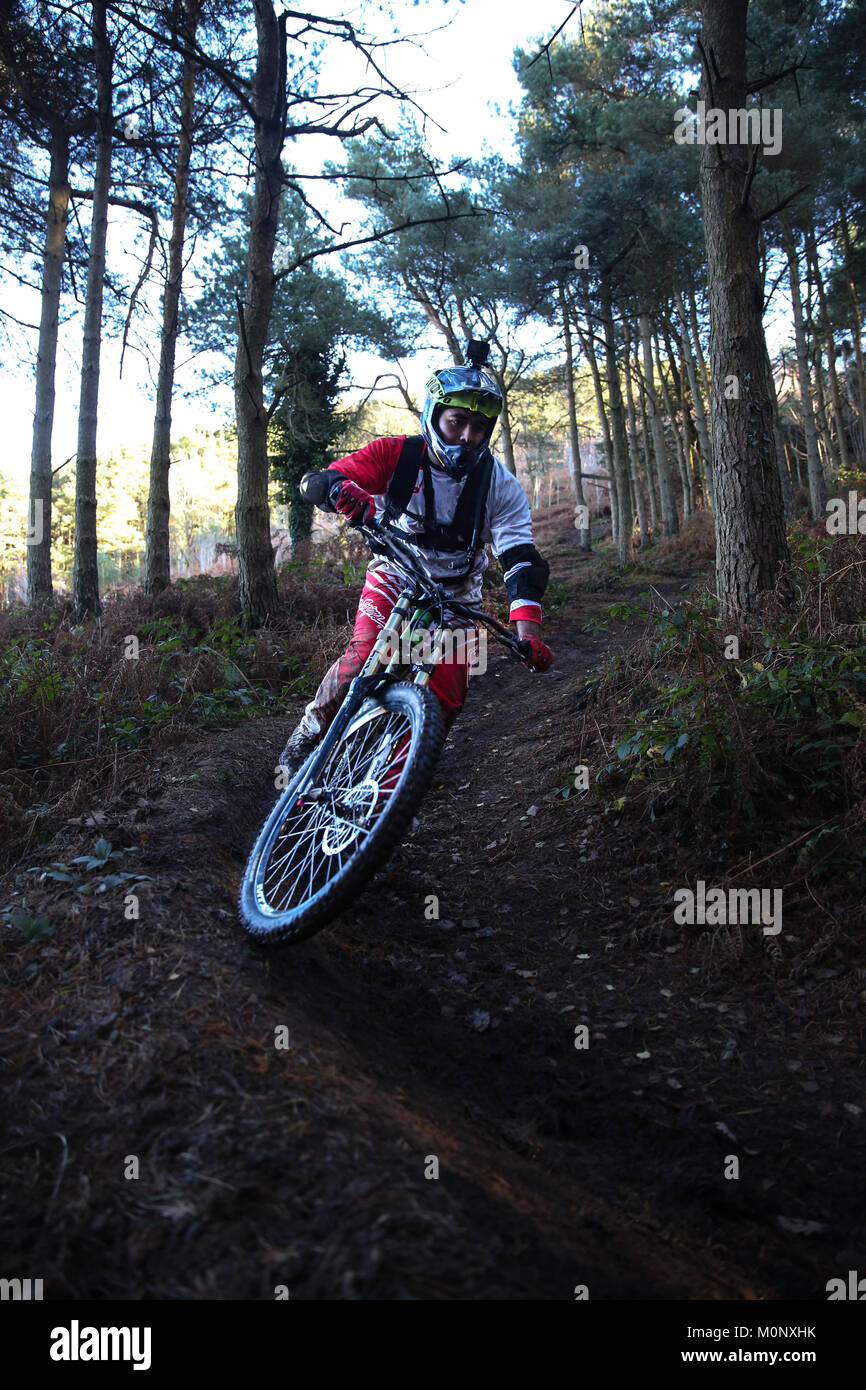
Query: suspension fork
x=421, y=618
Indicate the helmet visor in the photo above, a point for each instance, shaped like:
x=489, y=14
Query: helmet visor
x=466, y=387
x=472, y=400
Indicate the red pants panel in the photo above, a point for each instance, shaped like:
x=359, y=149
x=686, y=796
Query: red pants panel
x=449, y=681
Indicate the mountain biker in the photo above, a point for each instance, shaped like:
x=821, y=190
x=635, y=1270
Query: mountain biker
x=446, y=493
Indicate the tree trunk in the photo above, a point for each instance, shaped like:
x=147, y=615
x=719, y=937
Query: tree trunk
x=701, y=424
x=157, y=560
x=696, y=464
x=619, y=443
x=667, y=502
x=632, y=448
x=682, y=467
x=815, y=345
x=829, y=461
x=506, y=438
x=687, y=433
x=256, y=578
x=39, y=584
x=749, y=518
x=586, y=343
x=854, y=395
x=647, y=460
x=833, y=380
x=781, y=453
x=855, y=375
x=573, y=437
x=85, y=572
x=699, y=350
x=817, y=487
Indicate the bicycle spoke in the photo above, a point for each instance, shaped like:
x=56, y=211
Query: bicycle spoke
x=309, y=854
x=294, y=842
x=286, y=866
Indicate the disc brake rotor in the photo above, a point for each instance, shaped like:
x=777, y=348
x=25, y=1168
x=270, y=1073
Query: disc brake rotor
x=361, y=801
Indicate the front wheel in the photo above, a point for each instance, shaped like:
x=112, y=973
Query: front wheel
x=318, y=848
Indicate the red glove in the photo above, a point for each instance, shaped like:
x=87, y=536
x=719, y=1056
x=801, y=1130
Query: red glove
x=536, y=654
x=355, y=503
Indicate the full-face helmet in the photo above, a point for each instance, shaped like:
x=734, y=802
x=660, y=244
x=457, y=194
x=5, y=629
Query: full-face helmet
x=471, y=388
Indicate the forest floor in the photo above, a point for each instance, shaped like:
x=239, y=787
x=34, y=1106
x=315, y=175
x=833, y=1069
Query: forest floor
x=151, y=1045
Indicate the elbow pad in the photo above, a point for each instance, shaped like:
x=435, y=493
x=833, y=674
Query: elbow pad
x=316, y=487
x=526, y=575
x=525, y=572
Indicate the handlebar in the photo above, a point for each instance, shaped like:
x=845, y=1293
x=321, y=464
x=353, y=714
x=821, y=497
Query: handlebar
x=381, y=540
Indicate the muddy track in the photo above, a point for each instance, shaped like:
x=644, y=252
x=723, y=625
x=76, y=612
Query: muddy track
x=412, y=1038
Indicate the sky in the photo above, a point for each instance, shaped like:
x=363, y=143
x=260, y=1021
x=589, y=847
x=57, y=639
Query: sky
x=462, y=77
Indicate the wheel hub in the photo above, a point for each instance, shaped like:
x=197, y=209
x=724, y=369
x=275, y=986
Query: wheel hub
x=351, y=813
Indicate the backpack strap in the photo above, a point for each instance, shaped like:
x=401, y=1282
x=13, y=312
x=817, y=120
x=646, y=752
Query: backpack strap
x=460, y=534
x=469, y=516
x=404, y=477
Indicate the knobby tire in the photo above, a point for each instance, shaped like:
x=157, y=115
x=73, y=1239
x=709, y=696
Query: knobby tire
x=265, y=920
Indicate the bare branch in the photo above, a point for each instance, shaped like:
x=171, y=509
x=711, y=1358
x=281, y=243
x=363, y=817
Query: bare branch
x=364, y=46
x=804, y=188
x=761, y=83
x=243, y=324
x=20, y=322
x=374, y=236
x=224, y=71
x=387, y=178
x=145, y=271
x=753, y=164
x=544, y=51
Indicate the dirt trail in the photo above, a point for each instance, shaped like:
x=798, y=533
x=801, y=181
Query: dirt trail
x=410, y=1039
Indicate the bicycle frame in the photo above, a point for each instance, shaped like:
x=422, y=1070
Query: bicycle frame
x=422, y=591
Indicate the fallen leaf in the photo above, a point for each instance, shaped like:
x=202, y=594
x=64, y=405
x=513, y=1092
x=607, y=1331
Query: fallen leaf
x=797, y=1227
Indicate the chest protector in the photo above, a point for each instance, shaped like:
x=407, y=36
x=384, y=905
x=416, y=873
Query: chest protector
x=460, y=534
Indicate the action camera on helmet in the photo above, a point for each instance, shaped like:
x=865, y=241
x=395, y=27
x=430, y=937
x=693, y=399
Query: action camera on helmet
x=476, y=352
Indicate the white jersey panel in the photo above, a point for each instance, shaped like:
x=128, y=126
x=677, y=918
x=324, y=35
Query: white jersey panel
x=506, y=523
